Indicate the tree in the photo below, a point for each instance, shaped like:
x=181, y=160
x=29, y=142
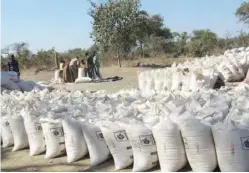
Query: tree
x=203, y=42
x=243, y=12
x=151, y=33
x=16, y=48
x=181, y=42
x=113, y=24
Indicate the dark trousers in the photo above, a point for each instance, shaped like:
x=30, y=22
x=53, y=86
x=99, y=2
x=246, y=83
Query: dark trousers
x=86, y=72
x=90, y=72
x=97, y=72
x=73, y=73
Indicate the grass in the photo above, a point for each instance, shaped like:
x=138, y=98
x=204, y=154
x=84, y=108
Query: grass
x=159, y=60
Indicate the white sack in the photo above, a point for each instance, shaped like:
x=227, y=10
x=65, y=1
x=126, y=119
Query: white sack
x=232, y=147
x=143, y=147
x=247, y=77
x=83, y=80
x=35, y=136
x=81, y=73
x=170, y=147
x=54, y=139
x=118, y=144
x=19, y=133
x=199, y=145
x=76, y=147
x=6, y=133
x=57, y=78
x=96, y=145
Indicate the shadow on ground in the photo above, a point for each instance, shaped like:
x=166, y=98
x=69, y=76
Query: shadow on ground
x=151, y=66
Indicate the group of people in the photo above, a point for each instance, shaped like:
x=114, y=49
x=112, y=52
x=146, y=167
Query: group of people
x=91, y=67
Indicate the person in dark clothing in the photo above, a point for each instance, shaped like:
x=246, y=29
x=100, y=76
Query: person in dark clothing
x=14, y=66
x=90, y=66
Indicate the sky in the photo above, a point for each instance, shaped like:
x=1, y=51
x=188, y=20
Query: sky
x=65, y=24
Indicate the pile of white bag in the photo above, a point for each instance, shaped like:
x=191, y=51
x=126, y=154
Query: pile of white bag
x=205, y=128
x=197, y=74
x=10, y=81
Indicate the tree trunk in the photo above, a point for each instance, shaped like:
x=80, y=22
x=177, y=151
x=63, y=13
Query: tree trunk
x=56, y=60
x=142, y=50
x=118, y=57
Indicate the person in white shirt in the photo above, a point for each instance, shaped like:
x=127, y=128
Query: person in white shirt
x=73, y=68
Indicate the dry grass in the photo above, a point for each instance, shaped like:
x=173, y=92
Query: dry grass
x=159, y=60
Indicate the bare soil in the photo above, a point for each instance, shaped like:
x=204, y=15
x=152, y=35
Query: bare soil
x=129, y=80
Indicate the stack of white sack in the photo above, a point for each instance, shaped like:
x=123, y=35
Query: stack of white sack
x=10, y=81
x=197, y=74
x=169, y=129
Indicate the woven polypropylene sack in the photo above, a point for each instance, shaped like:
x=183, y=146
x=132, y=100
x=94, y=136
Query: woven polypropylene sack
x=76, y=147
x=199, y=145
x=54, y=139
x=143, y=147
x=35, y=136
x=170, y=147
x=7, y=137
x=19, y=133
x=96, y=144
x=118, y=144
x=232, y=147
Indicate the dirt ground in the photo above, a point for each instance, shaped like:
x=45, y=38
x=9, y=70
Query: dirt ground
x=129, y=79
x=20, y=161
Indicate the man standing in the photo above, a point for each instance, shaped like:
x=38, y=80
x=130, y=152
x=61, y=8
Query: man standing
x=14, y=66
x=90, y=66
x=73, y=68
x=97, y=65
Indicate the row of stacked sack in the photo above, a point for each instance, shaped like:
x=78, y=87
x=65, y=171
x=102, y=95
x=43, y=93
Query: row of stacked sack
x=11, y=81
x=206, y=128
x=199, y=73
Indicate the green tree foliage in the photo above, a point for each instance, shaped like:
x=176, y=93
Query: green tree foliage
x=243, y=12
x=203, y=42
x=180, y=45
x=113, y=24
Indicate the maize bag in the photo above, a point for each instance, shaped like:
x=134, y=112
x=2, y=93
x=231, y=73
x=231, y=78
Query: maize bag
x=170, y=147
x=33, y=128
x=118, y=144
x=76, y=147
x=6, y=133
x=199, y=145
x=35, y=137
x=232, y=147
x=54, y=139
x=96, y=145
x=143, y=147
x=19, y=133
